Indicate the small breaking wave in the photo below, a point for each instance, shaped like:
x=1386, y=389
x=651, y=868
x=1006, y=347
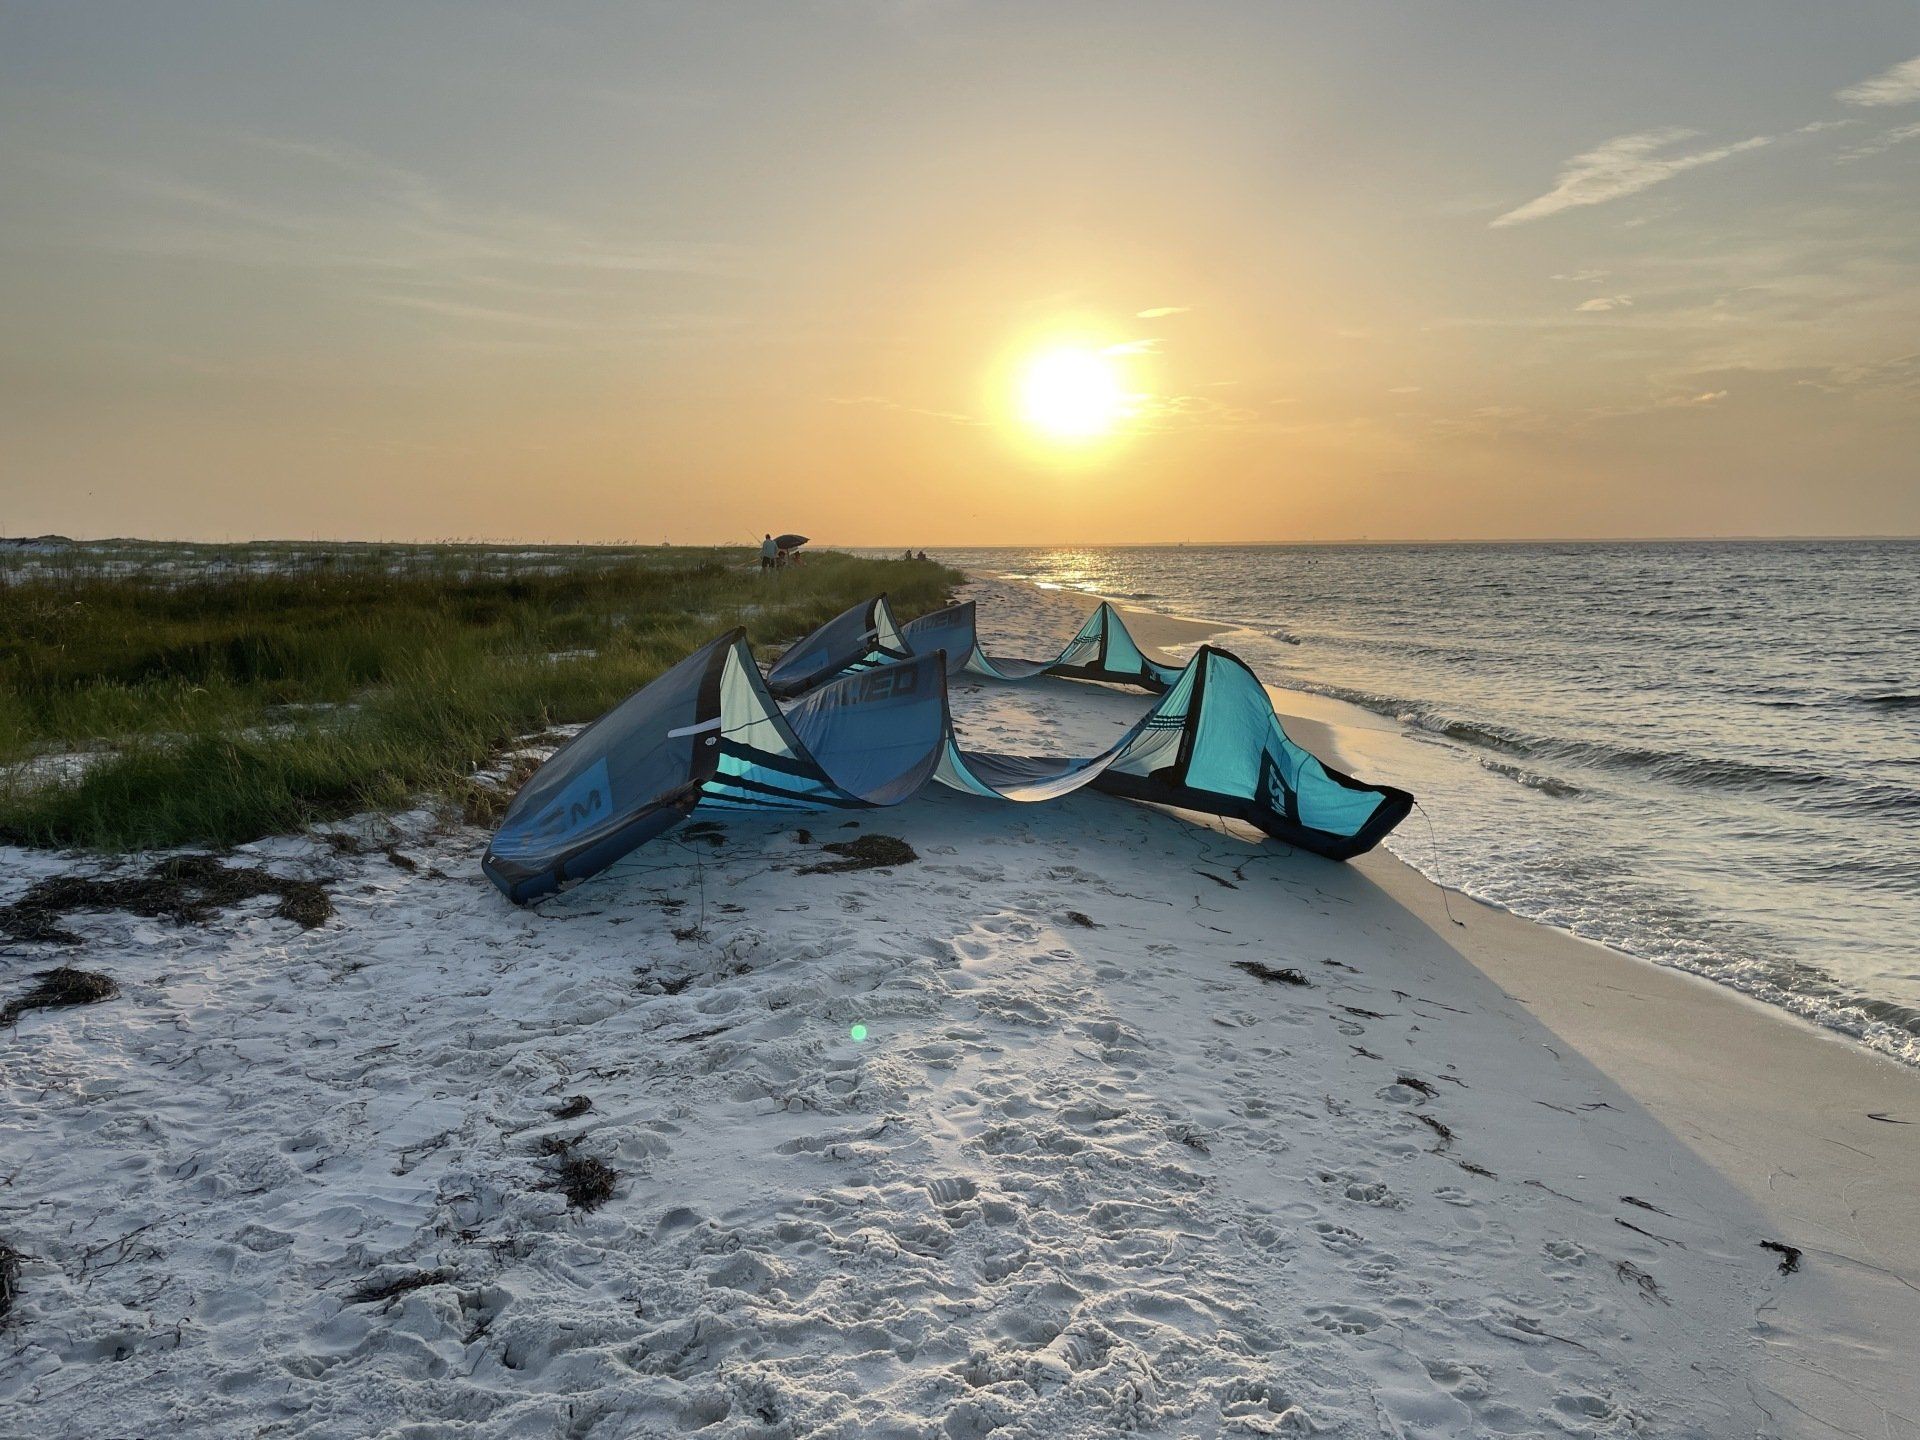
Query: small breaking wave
x=1533, y=779
x=1800, y=986
x=1799, y=786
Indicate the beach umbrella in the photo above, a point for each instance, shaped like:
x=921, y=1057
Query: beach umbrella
x=789, y=542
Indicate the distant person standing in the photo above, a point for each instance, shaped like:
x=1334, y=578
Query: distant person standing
x=769, y=553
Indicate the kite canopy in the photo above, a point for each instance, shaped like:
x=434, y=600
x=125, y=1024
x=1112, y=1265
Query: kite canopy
x=868, y=635
x=850, y=639
x=709, y=736
x=789, y=542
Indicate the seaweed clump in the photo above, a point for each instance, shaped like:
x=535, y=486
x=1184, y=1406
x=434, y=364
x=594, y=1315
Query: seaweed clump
x=9, y=1278
x=391, y=1290
x=869, y=852
x=184, y=889
x=58, y=988
x=586, y=1182
x=1271, y=976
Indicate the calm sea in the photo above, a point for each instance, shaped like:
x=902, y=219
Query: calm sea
x=1707, y=755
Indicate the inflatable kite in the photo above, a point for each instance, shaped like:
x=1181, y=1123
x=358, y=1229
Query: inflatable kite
x=871, y=727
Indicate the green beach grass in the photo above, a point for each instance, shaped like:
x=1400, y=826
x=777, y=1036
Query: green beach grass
x=167, y=695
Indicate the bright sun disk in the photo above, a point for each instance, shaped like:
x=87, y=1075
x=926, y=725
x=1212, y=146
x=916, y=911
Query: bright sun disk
x=1071, y=394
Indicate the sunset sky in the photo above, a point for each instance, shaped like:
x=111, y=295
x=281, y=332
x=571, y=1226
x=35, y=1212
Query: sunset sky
x=566, y=272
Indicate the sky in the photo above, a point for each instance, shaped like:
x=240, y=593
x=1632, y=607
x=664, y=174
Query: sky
x=1391, y=270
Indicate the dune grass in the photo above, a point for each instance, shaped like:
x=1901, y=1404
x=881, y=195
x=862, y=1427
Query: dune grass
x=212, y=697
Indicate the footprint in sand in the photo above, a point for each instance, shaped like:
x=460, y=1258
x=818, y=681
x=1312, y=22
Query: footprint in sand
x=1069, y=1353
x=479, y=1308
x=1361, y=1190
x=1584, y=1407
x=1338, y=1238
x=1465, y=1383
x=1345, y=1319
x=1014, y=1010
x=745, y=1271
x=950, y=1190
x=973, y=1418
x=1381, y=1272
x=1265, y=1237
x=997, y=1266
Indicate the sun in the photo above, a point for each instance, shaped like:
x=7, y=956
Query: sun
x=1071, y=394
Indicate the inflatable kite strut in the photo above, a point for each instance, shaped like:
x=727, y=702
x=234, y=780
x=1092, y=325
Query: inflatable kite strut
x=709, y=736
x=867, y=636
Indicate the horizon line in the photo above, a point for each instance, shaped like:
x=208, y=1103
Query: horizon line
x=1347, y=542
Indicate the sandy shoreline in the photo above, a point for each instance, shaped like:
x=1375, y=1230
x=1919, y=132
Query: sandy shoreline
x=1782, y=1110
x=1082, y=1173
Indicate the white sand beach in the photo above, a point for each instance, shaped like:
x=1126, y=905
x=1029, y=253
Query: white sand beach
x=1436, y=1175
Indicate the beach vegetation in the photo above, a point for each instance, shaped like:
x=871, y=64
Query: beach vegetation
x=174, y=695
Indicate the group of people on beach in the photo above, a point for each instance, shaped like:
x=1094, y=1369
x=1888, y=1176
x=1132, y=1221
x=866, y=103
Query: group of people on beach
x=773, y=557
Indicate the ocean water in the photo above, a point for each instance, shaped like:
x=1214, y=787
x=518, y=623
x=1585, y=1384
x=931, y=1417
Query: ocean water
x=1704, y=754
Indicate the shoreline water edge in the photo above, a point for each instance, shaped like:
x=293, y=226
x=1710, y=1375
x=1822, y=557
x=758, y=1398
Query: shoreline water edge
x=1700, y=776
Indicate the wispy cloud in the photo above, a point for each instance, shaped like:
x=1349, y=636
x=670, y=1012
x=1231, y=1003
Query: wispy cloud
x=1491, y=423
x=1160, y=312
x=1663, y=399
x=1604, y=302
x=1244, y=406
x=1881, y=143
x=1898, y=86
x=882, y=402
x=1623, y=166
x=1901, y=373
x=1133, y=347
x=1584, y=277
x=1159, y=413
x=393, y=236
